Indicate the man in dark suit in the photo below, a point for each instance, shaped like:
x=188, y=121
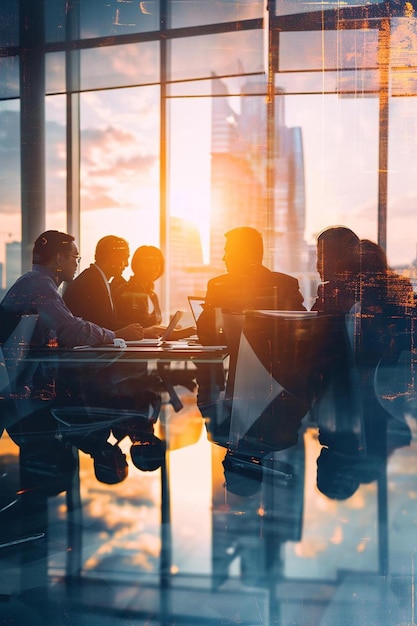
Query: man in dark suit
x=89, y=295
x=248, y=284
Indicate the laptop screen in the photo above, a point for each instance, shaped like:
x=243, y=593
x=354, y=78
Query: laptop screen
x=196, y=306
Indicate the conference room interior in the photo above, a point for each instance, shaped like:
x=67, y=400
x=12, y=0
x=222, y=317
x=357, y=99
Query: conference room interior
x=168, y=123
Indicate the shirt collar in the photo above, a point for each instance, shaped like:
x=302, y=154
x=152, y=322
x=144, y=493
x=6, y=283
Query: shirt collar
x=42, y=269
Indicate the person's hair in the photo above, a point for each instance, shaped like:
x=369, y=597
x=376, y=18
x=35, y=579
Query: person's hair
x=249, y=240
x=108, y=245
x=49, y=244
x=147, y=252
x=339, y=246
x=338, y=236
x=371, y=257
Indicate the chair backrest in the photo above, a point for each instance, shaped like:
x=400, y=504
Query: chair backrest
x=16, y=347
x=272, y=386
x=13, y=350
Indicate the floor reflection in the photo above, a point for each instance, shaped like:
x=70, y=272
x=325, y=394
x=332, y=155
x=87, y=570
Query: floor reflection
x=206, y=539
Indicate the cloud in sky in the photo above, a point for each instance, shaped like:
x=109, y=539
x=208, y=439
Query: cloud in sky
x=113, y=170
x=120, y=159
x=9, y=162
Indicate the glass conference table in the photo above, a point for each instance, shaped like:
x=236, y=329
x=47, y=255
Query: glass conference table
x=208, y=538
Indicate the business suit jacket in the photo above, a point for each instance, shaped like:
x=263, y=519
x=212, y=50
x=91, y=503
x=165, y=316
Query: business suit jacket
x=258, y=289
x=87, y=297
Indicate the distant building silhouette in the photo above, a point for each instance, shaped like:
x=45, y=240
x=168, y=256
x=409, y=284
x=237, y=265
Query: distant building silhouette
x=13, y=262
x=238, y=177
x=187, y=274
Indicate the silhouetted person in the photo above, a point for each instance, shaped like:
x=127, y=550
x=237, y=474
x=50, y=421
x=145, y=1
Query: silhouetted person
x=361, y=434
x=335, y=264
x=55, y=259
x=248, y=284
x=386, y=310
x=89, y=295
x=137, y=300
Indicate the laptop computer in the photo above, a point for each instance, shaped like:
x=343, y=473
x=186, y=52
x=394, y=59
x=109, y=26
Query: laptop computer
x=166, y=336
x=196, y=306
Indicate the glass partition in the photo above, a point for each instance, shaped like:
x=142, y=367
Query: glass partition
x=224, y=53
x=9, y=23
x=56, y=163
x=10, y=217
x=293, y=7
x=9, y=77
x=198, y=12
x=119, y=167
x=118, y=66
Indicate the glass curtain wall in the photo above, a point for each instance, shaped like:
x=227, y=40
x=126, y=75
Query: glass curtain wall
x=176, y=142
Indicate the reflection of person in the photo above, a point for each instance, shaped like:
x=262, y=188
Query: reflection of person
x=361, y=433
x=55, y=259
x=89, y=295
x=248, y=284
x=137, y=301
x=335, y=258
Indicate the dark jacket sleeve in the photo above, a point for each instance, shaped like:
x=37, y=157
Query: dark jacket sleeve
x=86, y=297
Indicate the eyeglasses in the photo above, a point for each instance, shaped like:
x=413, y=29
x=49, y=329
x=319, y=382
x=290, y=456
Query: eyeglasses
x=77, y=257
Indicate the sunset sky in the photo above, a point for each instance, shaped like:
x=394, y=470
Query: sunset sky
x=120, y=147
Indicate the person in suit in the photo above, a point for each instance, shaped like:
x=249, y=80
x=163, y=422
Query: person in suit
x=55, y=259
x=90, y=295
x=248, y=284
x=336, y=258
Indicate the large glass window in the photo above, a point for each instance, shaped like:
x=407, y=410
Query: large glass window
x=55, y=163
x=119, y=167
x=117, y=66
x=402, y=197
x=226, y=53
x=9, y=77
x=196, y=12
x=10, y=216
x=98, y=18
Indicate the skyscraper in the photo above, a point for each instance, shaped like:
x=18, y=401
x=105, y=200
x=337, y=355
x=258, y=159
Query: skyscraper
x=13, y=262
x=239, y=176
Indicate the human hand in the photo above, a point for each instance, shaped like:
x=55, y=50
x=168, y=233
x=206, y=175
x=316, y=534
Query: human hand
x=131, y=332
x=154, y=332
x=182, y=333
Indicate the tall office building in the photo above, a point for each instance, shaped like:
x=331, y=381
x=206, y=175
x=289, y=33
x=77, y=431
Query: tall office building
x=13, y=262
x=187, y=274
x=239, y=176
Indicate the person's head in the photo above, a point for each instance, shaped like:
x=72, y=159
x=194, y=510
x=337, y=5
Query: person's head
x=370, y=257
x=112, y=255
x=243, y=249
x=335, y=252
x=58, y=252
x=148, y=263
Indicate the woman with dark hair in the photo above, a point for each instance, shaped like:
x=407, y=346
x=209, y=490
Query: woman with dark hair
x=137, y=300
